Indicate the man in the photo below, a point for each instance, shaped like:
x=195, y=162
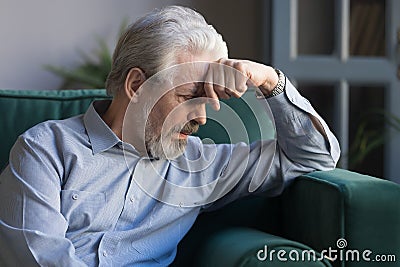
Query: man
x=123, y=183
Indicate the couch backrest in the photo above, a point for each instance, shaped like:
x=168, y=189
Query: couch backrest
x=21, y=110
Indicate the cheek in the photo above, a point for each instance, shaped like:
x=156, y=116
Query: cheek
x=178, y=116
x=175, y=114
x=160, y=120
x=158, y=113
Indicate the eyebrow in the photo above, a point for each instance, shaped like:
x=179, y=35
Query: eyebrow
x=189, y=87
x=194, y=89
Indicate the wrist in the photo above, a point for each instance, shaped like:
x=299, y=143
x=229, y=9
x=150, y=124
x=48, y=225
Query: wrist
x=270, y=82
x=275, y=86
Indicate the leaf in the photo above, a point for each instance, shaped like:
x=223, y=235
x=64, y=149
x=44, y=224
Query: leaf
x=367, y=138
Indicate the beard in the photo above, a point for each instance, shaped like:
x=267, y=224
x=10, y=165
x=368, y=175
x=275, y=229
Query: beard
x=166, y=145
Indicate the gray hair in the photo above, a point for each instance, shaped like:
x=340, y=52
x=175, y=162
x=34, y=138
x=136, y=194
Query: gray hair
x=154, y=40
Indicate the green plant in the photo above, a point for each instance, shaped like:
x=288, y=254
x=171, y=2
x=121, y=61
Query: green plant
x=92, y=73
x=368, y=137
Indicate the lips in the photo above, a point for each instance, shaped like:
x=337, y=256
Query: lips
x=186, y=132
x=189, y=128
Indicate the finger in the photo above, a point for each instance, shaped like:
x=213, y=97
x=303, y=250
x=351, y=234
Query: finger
x=230, y=78
x=232, y=93
x=217, y=80
x=209, y=88
x=220, y=80
x=226, y=87
x=241, y=81
x=241, y=77
x=236, y=79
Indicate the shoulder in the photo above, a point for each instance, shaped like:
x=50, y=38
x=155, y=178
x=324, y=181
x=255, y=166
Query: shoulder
x=46, y=145
x=52, y=129
x=51, y=138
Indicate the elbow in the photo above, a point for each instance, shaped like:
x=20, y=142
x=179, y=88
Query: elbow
x=328, y=162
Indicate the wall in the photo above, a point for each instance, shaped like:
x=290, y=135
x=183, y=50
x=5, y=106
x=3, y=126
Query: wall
x=241, y=23
x=35, y=33
x=40, y=32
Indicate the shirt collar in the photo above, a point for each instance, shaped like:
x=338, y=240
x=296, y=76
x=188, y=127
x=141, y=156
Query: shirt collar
x=100, y=135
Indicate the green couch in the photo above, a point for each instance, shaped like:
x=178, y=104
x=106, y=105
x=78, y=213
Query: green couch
x=314, y=212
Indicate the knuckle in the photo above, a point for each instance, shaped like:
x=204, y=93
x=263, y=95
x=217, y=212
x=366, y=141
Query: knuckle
x=221, y=60
x=239, y=65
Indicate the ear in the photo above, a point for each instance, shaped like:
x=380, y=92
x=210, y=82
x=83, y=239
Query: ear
x=133, y=81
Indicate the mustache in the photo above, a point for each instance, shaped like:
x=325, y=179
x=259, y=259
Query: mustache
x=190, y=127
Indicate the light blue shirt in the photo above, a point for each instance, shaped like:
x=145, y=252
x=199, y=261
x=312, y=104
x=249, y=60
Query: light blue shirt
x=69, y=197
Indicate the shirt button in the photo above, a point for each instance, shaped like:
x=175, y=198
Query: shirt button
x=131, y=199
x=75, y=196
x=105, y=253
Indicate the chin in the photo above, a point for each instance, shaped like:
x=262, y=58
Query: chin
x=167, y=150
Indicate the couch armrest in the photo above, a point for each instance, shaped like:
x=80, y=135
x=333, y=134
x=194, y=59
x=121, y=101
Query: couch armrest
x=246, y=247
x=321, y=207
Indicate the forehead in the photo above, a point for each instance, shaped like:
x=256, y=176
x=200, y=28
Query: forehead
x=193, y=57
x=191, y=68
x=188, y=73
x=185, y=77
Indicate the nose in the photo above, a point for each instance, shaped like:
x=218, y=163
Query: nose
x=199, y=114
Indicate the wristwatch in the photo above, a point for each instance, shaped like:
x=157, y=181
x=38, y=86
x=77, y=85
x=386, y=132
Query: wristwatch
x=279, y=88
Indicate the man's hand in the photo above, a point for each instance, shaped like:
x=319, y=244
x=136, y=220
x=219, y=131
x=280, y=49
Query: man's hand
x=230, y=78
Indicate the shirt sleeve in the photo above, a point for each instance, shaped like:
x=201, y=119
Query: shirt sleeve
x=32, y=228
x=301, y=148
x=297, y=137
x=267, y=167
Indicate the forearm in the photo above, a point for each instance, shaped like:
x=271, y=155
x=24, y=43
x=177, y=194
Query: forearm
x=301, y=133
x=275, y=84
x=23, y=247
